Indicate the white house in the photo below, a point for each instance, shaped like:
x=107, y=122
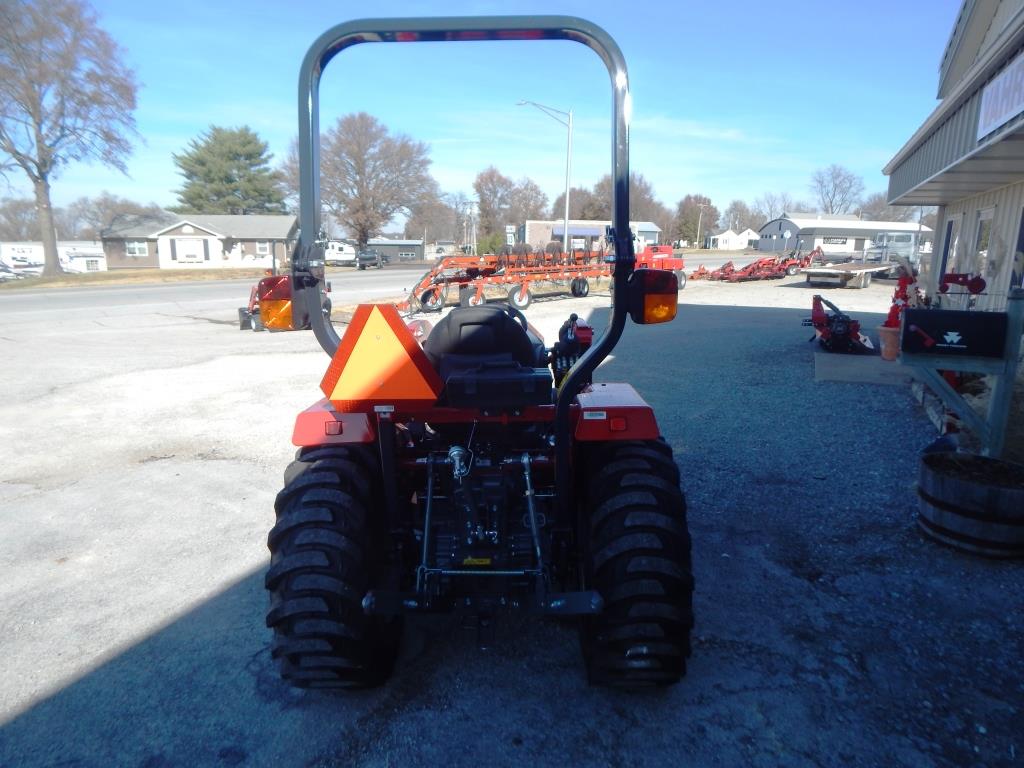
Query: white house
x=728, y=240
x=200, y=241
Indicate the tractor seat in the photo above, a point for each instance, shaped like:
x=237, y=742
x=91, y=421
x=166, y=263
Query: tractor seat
x=486, y=359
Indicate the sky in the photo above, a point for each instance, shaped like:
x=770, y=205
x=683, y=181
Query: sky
x=730, y=99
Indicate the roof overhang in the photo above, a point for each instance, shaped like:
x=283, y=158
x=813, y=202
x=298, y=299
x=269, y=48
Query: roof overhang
x=994, y=164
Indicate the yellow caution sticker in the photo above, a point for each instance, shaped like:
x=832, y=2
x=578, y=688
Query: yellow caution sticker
x=477, y=561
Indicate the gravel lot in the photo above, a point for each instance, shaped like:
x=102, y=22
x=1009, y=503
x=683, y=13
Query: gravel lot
x=139, y=462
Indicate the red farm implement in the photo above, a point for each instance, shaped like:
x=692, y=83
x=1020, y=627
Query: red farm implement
x=518, y=274
x=768, y=268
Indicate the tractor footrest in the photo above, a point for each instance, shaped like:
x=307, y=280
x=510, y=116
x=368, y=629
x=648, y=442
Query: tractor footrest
x=388, y=603
x=572, y=603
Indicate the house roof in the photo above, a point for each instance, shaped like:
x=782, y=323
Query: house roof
x=254, y=227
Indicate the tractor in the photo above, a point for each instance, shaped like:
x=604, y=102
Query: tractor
x=465, y=467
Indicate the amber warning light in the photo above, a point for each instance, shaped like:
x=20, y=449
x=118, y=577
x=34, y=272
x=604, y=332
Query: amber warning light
x=653, y=296
x=275, y=298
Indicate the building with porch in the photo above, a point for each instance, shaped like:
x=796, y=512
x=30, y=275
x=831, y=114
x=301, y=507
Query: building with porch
x=967, y=158
x=200, y=241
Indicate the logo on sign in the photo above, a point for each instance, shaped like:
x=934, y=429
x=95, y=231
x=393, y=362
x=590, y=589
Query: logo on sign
x=952, y=337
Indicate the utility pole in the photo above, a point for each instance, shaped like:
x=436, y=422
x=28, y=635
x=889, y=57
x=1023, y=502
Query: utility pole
x=700, y=216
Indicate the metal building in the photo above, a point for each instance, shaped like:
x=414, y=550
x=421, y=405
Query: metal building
x=968, y=156
x=839, y=234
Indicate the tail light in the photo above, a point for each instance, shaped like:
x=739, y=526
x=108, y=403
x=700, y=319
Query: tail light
x=653, y=296
x=275, y=298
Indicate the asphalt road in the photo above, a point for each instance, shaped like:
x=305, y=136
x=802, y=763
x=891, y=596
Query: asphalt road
x=142, y=440
x=348, y=286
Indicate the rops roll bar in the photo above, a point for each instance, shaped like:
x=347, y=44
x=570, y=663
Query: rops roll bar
x=308, y=258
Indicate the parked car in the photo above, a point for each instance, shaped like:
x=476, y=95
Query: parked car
x=370, y=257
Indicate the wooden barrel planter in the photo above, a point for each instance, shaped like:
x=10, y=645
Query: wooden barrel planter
x=973, y=503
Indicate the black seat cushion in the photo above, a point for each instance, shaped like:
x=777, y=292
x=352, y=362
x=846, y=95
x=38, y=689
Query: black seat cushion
x=479, y=332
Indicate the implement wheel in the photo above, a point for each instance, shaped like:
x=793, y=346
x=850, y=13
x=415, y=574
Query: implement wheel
x=434, y=299
x=638, y=558
x=326, y=553
x=520, y=297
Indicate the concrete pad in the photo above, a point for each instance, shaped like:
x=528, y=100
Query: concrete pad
x=859, y=369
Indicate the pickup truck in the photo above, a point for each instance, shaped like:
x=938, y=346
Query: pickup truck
x=370, y=257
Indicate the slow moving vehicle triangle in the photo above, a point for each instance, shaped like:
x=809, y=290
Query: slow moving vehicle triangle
x=379, y=363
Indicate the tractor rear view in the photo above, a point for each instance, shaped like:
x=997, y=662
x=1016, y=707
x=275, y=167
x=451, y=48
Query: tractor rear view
x=467, y=467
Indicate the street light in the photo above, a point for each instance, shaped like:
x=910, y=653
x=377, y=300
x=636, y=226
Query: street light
x=567, y=122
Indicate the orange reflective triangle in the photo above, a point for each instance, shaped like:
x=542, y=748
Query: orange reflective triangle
x=379, y=363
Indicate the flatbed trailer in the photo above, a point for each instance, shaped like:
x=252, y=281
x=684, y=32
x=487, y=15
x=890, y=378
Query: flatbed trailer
x=471, y=275
x=853, y=274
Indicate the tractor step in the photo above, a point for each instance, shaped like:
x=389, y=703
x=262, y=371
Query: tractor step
x=393, y=603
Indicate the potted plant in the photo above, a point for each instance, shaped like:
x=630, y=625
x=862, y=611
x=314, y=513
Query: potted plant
x=889, y=331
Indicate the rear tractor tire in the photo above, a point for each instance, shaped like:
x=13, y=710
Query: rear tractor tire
x=638, y=558
x=325, y=555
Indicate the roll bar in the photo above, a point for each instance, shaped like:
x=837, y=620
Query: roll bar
x=308, y=258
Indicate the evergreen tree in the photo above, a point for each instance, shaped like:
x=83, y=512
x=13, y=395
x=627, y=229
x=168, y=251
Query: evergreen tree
x=227, y=170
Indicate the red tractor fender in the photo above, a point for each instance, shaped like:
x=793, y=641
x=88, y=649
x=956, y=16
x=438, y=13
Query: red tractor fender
x=614, y=412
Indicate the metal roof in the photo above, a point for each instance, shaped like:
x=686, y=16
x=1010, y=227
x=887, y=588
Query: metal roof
x=845, y=224
x=255, y=227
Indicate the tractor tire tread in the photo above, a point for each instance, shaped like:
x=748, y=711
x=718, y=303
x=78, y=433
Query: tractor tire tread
x=640, y=563
x=322, y=564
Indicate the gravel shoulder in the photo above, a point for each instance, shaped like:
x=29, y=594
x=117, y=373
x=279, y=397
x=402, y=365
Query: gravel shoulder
x=141, y=457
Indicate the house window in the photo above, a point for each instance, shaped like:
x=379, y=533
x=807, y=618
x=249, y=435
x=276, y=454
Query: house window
x=136, y=248
x=262, y=248
x=92, y=265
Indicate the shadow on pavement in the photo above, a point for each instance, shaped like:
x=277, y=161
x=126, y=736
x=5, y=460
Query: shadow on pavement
x=824, y=620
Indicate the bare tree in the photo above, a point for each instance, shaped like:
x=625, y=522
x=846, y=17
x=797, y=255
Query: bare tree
x=837, y=189
x=771, y=205
x=65, y=96
x=494, y=192
x=876, y=207
x=18, y=219
x=435, y=216
x=528, y=202
x=367, y=175
x=695, y=215
x=739, y=216
x=87, y=217
x=582, y=205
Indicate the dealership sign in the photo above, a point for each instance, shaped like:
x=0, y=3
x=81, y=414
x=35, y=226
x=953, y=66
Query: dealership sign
x=1003, y=98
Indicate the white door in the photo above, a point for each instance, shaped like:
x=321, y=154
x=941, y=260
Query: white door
x=189, y=250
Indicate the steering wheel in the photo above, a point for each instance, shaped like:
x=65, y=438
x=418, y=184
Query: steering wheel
x=515, y=314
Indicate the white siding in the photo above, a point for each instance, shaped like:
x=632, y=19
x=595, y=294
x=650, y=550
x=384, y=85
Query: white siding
x=1007, y=204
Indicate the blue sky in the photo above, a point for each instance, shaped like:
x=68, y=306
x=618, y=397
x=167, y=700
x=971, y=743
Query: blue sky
x=731, y=99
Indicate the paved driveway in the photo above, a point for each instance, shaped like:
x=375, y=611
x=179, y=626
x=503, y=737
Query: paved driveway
x=140, y=453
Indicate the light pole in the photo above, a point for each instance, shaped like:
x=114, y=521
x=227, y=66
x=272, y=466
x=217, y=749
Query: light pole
x=700, y=216
x=567, y=122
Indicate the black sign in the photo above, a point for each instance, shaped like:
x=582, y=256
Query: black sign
x=954, y=332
